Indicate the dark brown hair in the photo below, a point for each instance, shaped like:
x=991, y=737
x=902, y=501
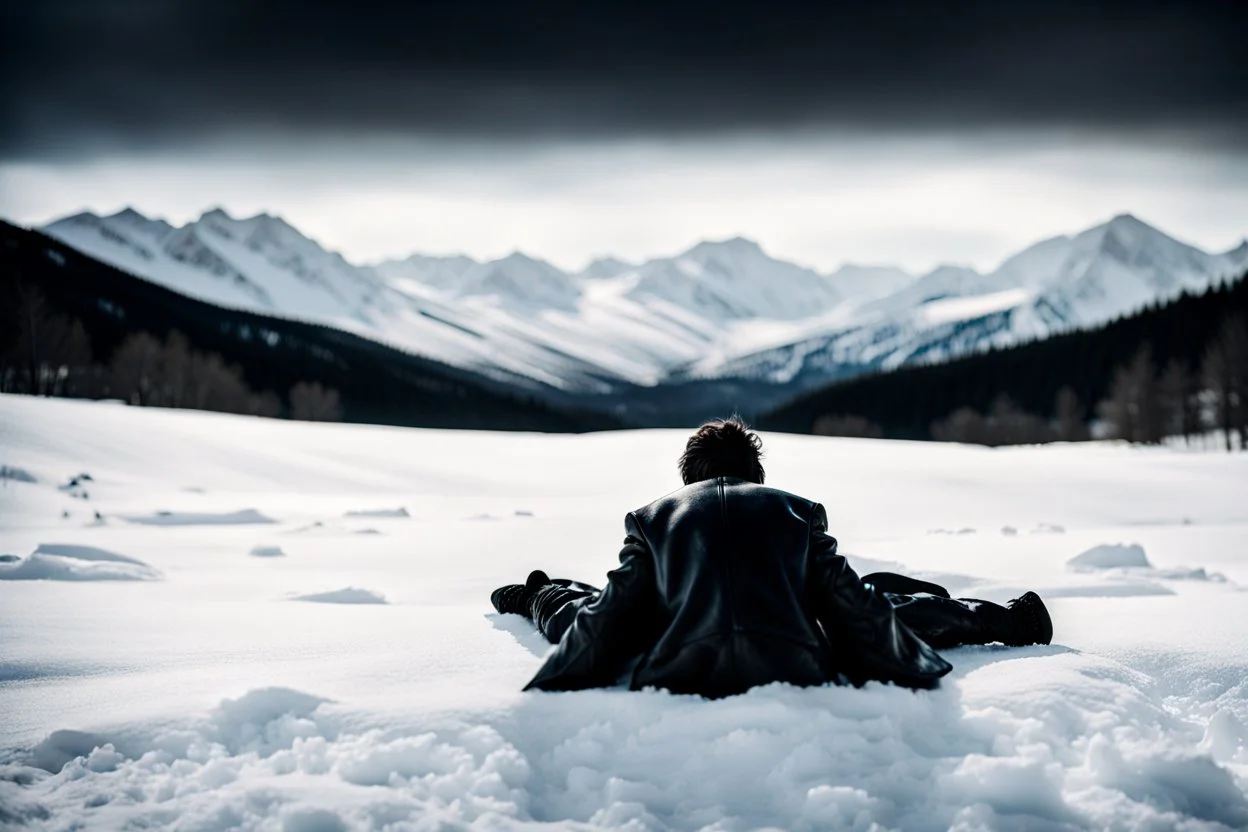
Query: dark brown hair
x=723, y=448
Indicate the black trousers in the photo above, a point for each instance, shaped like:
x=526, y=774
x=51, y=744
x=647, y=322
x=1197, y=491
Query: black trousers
x=925, y=608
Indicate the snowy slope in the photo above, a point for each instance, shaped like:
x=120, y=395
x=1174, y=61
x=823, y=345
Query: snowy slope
x=720, y=309
x=285, y=625
x=436, y=272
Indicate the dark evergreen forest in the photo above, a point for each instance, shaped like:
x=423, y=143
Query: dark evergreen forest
x=1191, y=349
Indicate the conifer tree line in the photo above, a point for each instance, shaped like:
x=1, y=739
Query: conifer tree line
x=1173, y=369
x=1146, y=403
x=51, y=355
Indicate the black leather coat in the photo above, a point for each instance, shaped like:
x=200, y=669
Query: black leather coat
x=724, y=585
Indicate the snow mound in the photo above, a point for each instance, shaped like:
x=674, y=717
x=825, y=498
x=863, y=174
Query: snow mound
x=1129, y=572
x=65, y=562
x=59, y=747
x=1193, y=574
x=347, y=595
x=8, y=472
x=993, y=748
x=1111, y=556
x=1224, y=735
x=264, y=721
x=90, y=553
x=379, y=512
x=185, y=518
x=267, y=552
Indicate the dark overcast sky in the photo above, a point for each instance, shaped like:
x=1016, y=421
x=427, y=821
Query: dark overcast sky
x=83, y=75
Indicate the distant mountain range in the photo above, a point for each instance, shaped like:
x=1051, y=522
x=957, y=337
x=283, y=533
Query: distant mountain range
x=718, y=316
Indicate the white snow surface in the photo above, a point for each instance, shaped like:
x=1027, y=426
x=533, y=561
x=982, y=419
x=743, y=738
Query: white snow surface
x=206, y=700
x=722, y=308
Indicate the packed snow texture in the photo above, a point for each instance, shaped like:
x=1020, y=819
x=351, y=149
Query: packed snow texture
x=208, y=701
x=722, y=308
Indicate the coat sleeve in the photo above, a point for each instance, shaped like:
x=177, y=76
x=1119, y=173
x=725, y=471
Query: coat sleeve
x=868, y=641
x=610, y=632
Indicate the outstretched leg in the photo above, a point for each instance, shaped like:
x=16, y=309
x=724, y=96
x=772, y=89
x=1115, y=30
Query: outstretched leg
x=944, y=622
x=550, y=604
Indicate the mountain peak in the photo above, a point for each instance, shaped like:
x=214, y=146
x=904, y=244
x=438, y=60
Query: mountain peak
x=128, y=214
x=601, y=268
x=82, y=217
x=519, y=258
x=216, y=213
x=1128, y=228
x=735, y=245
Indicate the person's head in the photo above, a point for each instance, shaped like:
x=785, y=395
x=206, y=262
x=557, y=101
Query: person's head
x=722, y=448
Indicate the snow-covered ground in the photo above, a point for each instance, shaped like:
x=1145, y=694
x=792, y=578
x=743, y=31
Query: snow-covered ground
x=278, y=625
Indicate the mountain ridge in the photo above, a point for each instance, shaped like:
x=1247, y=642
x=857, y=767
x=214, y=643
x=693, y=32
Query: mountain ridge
x=722, y=309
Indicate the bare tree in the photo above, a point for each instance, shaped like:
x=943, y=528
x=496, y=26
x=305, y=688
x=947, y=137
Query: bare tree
x=1008, y=424
x=842, y=425
x=214, y=385
x=1224, y=372
x=962, y=425
x=312, y=402
x=135, y=368
x=1070, y=417
x=32, y=311
x=1178, y=401
x=52, y=351
x=177, y=363
x=265, y=404
x=1131, y=409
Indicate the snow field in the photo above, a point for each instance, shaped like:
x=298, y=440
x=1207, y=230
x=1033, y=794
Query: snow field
x=203, y=698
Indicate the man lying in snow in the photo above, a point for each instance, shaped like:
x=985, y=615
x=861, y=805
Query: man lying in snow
x=727, y=584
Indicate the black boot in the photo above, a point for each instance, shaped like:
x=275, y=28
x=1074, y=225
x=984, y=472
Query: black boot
x=1021, y=622
x=1032, y=624
x=516, y=599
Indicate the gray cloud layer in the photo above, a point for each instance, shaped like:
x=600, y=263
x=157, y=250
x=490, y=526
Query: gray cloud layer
x=83, y=75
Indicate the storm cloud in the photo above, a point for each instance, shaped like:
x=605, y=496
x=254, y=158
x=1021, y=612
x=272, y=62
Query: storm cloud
x=82, y=75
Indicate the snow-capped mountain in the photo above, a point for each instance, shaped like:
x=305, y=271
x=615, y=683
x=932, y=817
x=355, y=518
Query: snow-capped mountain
x=733, y=280
x=1055, y=285
x=721, y=310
